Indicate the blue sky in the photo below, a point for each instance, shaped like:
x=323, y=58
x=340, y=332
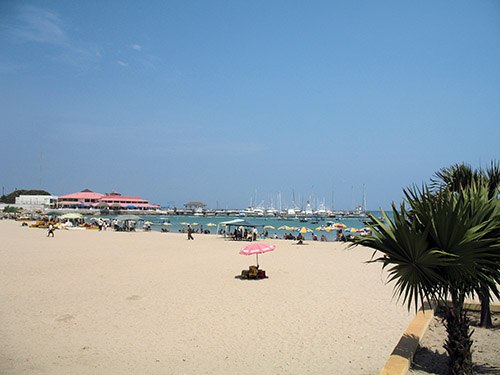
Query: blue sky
x=222, y=101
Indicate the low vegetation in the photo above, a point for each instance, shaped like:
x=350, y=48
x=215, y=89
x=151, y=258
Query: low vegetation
x=11, y=198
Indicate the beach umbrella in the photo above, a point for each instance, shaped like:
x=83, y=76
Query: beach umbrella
x=351, y=230
x=269, y=227
x=72, y=215
x=211, y=225
x=194, y=224
x=184, y=223
x=321, y=228
x=285, y=227
x=303, y=230
x=257, y=248
x=167, y=224
x=339, y=226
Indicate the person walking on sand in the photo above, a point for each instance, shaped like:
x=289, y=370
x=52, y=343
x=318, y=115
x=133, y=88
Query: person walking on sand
x=190, y=233
x=51, y=230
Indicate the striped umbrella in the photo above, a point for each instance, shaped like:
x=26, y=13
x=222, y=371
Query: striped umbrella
x=304, y=230
x=352, y=230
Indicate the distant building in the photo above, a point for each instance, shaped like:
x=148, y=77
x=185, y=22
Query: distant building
x=194, y=205
x=83, y=199
x=120, y=201
x=36, y=202
x=90, y=199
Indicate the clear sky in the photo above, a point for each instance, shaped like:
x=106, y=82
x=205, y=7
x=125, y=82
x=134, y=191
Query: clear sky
x=222, y=101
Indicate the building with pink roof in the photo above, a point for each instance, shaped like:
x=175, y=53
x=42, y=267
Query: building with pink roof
x=81, y=199
x=88, y=199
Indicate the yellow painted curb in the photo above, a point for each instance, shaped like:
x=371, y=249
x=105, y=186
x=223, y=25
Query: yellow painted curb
x=402, y=355
x=400, y=360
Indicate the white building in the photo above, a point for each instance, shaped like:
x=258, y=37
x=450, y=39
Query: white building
x=36, y=202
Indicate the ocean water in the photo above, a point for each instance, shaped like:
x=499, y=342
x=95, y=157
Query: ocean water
x=178, y=223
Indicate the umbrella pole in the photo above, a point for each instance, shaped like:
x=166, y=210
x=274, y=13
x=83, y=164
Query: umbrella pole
x=257, y=260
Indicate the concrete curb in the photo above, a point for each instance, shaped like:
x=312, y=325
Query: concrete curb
x=400, y=360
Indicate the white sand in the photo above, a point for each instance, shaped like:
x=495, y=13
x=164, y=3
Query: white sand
x=89, y=302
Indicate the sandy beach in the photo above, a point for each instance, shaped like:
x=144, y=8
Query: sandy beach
x=89, y=302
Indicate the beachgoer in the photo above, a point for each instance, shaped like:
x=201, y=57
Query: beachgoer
x=340, y=236
x=323, y=238
x=300, y=238
x=190, y=233
x=51, y=230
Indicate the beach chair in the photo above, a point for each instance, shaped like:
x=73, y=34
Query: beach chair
x=253, y=272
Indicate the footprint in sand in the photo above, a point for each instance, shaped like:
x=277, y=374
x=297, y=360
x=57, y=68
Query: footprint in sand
x=134, y=298
x=65, y=318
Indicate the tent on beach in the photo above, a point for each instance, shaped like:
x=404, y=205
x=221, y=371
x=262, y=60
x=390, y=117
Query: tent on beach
x=126, y=219
x=237, y=223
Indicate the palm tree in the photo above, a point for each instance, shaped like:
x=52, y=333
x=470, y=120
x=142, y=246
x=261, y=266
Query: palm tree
x=441, y=247
x=461, y=176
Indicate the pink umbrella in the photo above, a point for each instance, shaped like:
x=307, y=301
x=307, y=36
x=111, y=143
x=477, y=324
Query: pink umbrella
x=257, y=248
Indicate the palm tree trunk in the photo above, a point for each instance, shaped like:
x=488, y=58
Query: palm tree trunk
x=459, y=342
x=485, y=310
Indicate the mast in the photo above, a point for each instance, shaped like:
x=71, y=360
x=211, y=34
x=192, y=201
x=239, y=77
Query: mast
x=40, y=169
x=352, y=197
x=363, y=208
x=311, y=198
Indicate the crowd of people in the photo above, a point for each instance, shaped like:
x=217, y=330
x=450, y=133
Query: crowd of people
x=240, y=233
x=252, y=234
x=245, y=234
